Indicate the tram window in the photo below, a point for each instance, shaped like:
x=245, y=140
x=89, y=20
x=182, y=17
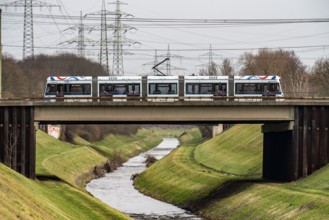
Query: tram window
x=192, y=88
x=257, y=88
x=266, y=88
x=119, y=89
x=196, y=89
x=78, y=89
x=246, y=88
x=137, y=89
x=274, y=87
x=152, y=89
x=224, y=88
x=105, y=88
x=219, y=89
x=206, y=88
x=189, y=89
x=130, y=88
x=173, y=89
x=51, y=89
x=163, y=88
x=133, y=89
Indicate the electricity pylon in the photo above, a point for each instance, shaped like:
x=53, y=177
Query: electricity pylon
x=28, y=39
x=104, y=52
x=119, y=40
x=80, y=40
x=211, y=62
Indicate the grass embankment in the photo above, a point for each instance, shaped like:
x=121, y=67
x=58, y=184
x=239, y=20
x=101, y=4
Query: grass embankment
x=55, y=199
x=75, y=164
x=221, y=179
x=22, y=198
x=125, y=147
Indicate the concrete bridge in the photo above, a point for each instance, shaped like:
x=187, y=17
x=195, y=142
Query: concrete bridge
x=296, y=136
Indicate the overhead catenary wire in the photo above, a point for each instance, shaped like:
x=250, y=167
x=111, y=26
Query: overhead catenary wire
x=203, y=49
x=181, y=20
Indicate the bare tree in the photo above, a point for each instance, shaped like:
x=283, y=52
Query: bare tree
x=295, y=79
x=11, y=147
x=226, y=68
x=211, y=70
x=320, y=77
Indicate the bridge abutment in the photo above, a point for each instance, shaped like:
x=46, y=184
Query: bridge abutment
x=296, y=149
x=17, y=139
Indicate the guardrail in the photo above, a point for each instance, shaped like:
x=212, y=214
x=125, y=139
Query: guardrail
x=166, y=99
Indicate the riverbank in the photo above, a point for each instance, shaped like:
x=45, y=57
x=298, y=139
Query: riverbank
x=78, y=164
x=116, y=188
x=218, y=179
x=62, y=170
x=221, y=179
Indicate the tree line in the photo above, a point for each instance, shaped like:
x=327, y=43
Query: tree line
x=27, y=78
x=297, y=79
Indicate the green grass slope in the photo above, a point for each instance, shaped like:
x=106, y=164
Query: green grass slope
x=178, y=178
x=73, y=165
x=304, y=199
x=237, y=151
x=130, y=146
x=22, y=198
x=221, y=179
x=48, y=146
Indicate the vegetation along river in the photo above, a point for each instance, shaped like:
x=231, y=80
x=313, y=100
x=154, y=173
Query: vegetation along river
x=116, y=189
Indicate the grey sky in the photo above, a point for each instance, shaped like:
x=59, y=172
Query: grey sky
x=190, y=43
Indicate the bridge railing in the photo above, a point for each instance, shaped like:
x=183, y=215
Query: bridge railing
x=170, y=99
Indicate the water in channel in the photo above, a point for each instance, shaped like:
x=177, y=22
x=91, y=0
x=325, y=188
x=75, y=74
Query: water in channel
x=116, y=189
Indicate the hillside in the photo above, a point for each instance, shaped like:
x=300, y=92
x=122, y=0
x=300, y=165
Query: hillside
x=221, y=179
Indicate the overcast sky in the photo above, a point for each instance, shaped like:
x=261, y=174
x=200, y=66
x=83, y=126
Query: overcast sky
x=189, y=44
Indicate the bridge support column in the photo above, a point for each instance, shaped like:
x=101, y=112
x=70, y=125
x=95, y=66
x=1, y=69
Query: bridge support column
x=216, y=130
x=297, y=149
x=279, y=152
x=17, y=139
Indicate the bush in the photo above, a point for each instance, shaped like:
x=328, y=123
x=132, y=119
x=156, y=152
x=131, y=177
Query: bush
x=150, y=160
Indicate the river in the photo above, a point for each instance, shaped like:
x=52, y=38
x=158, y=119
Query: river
x=116, y=189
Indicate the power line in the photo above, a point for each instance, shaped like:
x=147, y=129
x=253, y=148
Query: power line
x=201, y=49
x=190, y=20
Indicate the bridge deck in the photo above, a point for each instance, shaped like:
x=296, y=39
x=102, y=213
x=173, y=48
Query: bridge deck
x=165, y=112
x=160, y=112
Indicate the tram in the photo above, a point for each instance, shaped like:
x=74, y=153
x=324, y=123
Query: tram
x=161, y=88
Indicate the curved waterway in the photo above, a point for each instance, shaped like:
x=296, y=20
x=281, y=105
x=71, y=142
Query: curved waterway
x=116, y=189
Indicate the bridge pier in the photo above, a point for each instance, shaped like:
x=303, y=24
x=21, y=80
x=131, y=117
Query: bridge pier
x=17, y=139
x=296, y=149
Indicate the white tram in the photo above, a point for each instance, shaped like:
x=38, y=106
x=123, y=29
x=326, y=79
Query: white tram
x=160, y=88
